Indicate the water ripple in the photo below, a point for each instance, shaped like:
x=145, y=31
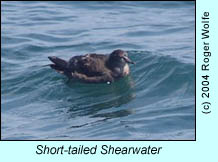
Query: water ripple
x=155, y=102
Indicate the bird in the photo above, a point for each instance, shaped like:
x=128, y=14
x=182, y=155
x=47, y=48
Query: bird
x=94, y=68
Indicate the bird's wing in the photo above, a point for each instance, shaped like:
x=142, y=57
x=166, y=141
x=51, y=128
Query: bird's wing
x=105, y=78
x=93, y=66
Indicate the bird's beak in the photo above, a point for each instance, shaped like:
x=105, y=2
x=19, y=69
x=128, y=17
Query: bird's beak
x=126, y=58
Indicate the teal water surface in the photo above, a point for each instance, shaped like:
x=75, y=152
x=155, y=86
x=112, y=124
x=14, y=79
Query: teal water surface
x=156, y=102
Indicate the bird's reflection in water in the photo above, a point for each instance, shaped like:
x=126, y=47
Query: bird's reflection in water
x=96, y=100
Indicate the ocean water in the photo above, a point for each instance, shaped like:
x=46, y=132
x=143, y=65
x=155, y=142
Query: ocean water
x=155, y=102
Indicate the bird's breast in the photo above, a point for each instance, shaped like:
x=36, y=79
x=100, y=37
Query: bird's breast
x=126, y=70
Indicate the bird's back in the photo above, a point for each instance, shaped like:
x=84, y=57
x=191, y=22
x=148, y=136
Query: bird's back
x=90, y=64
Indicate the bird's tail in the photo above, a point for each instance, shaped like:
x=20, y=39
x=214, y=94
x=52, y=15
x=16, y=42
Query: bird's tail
x=59, y=65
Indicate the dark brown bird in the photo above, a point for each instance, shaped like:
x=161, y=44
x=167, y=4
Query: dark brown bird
x=94, y=68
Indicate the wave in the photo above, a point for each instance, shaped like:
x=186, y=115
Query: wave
x=153, y=77
x=155, y=102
